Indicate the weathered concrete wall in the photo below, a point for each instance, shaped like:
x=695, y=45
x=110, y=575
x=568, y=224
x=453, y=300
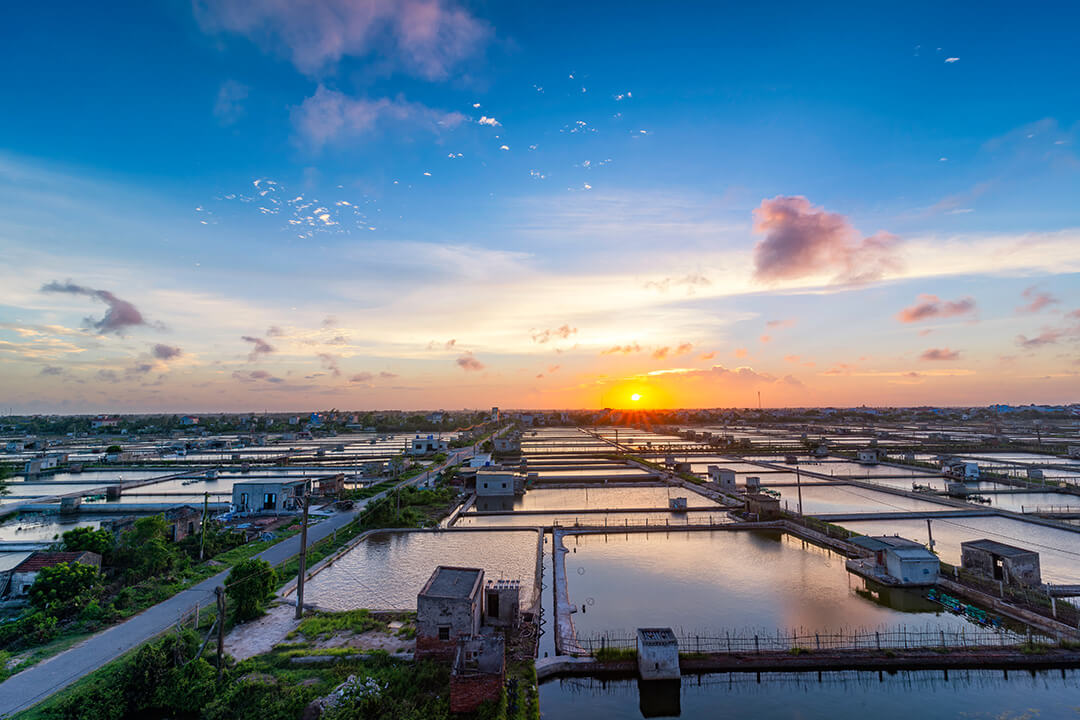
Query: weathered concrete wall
x=460, y=616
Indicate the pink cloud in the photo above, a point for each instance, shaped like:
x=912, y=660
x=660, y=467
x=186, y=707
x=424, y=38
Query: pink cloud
x=708, y=356
x=931, y=306
x=940, y=354
x=1046, y=337
x=424, y=37
x=802, y=240
x=660, y=353
x=741, y=352
x=765, y=338
x=469, y=364
x=1037, y=300
x=622, y=349
x=329, y=115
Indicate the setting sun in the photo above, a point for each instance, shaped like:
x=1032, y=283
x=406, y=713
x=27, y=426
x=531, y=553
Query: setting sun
x=635, y=397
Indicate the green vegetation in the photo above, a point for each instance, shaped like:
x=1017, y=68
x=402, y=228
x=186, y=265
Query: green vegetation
x=250, y=586
x=6, y=471
x=65, y=589
x=88, y=539
x=611, y=654
x=140, y=569
x=324, y=624
x=166, y=679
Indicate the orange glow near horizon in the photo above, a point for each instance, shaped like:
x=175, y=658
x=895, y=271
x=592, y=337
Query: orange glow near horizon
x=635, y=397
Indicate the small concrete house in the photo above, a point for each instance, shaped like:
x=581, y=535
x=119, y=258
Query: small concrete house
x=268, y=496
x=764, y=507
x=960, y=469
x=449, y=607
x=25, y=573
x=509, y=443
x=868, y=456
x=998, y=561
x=657, y=654
x=723, y=477
x=496, y=483
x=897, y=561
x=183, y=521
x=427, y=445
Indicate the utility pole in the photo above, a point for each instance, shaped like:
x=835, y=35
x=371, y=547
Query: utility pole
x=303, y=560
x=798, y=487
x=205, y=508
x=930, y=534
x=220, y=592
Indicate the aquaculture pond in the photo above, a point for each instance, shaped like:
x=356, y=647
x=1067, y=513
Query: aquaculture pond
x=387, y=570
x=742, y=582
x=846, y=695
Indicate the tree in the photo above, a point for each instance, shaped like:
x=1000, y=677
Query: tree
x=99, y=541
x=6, y=471
x=113, y=450
x=65, y=588
x=250, y=586
x=145, y=549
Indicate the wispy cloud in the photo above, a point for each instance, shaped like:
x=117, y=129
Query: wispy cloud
x=931, y=306
x=261, y=347
x=424, y=37
x=1036, y=300
x=562, y=332
x=329, y=116
x=229, y=106
x=944, y=354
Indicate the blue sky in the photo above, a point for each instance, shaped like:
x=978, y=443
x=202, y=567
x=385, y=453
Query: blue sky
x=375, y=179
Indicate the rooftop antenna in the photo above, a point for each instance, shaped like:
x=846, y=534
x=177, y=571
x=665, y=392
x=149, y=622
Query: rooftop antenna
x=758, y=399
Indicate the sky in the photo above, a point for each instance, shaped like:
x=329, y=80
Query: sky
x=235, y=206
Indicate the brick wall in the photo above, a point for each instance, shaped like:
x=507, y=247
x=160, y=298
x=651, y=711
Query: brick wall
x=468, y=693
x=428, y=648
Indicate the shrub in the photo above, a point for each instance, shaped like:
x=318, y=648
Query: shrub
x=65, y=589
x=145, y=549
x=250, y=586
x=87, y=539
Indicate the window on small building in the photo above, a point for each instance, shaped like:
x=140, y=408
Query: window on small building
x=444, y=632
x=504, y=486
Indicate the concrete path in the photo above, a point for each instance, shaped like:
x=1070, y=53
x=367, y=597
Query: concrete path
x=23, y=690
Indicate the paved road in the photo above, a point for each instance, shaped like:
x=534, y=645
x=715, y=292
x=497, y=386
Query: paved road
x=34, y=684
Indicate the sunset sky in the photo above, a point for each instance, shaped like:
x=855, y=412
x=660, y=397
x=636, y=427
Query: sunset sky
x=234, y=205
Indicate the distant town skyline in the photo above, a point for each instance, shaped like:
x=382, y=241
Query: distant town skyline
x=232, y=206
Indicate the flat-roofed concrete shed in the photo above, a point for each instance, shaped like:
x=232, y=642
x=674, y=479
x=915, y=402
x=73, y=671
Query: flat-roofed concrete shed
x=1008, y=563
x=450, y=606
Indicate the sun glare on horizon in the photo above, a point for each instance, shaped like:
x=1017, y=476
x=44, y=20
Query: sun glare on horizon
x=635, y=397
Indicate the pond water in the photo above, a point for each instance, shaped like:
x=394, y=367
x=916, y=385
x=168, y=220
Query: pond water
x=605, y=497
x=706, y=582
x=1059, y=550
x=388, y=569
x=822, y=499
x=847, y=695
x=34, y=527
x=570, y=519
